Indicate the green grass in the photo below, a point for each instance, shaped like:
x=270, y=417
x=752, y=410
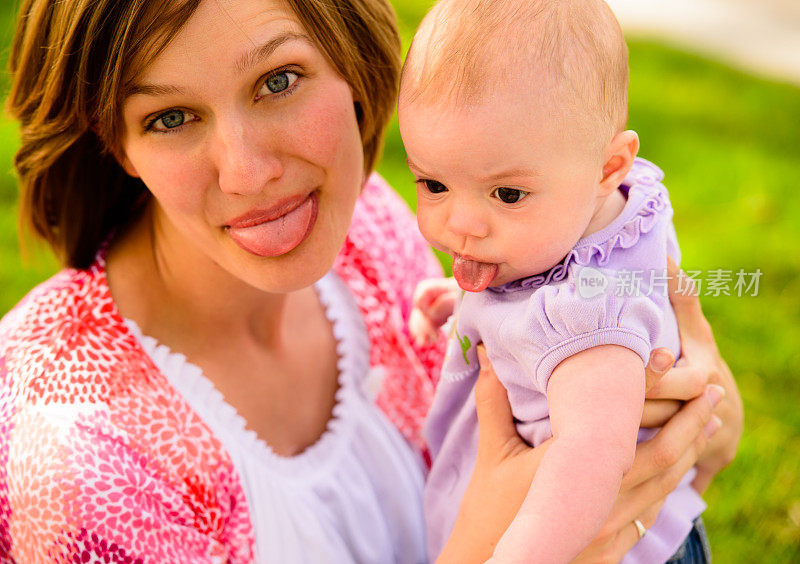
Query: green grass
x=730, y=147
x=17, y=275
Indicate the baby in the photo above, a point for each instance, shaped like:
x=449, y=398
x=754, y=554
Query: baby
x=513, y=115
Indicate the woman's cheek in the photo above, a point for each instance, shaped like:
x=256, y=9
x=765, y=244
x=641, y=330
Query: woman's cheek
x=173, y=174
x=329, y=119
x=177, y=187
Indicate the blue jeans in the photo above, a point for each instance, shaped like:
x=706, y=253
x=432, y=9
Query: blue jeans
x=695, y=549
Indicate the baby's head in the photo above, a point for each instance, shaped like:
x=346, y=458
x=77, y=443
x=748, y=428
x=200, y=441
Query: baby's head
x=513, y=115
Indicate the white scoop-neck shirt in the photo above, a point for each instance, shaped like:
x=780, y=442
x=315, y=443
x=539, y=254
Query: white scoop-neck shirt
x=353, y=496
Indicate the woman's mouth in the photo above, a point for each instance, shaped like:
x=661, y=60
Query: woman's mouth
x=278, y=230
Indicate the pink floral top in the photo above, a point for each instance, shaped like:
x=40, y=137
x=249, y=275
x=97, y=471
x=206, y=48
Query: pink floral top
x=101, y=459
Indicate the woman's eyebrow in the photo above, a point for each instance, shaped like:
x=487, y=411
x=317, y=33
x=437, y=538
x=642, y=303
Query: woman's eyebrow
x=152, y=90
x=244, y=63
x=263, y=52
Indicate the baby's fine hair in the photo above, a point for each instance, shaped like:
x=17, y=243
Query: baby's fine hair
x=467, y=50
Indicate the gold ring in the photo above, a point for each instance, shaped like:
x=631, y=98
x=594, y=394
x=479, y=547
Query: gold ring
x=639, y=528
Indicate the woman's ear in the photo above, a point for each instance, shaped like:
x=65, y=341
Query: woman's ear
x=618, y=160
x=116, y=152
x=127, y=165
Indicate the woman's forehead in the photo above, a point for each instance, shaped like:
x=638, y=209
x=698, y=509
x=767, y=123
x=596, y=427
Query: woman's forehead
x=240, y=31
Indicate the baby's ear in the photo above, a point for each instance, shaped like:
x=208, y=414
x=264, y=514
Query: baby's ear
x=618, y=160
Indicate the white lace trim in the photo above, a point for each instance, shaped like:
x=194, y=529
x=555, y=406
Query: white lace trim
x=352, y=348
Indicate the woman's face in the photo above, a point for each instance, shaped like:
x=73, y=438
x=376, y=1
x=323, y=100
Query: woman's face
x=247, y=138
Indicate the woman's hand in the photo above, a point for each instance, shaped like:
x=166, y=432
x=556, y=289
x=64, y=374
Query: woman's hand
x=503, y=472
x=505, y=466
x=700, y=364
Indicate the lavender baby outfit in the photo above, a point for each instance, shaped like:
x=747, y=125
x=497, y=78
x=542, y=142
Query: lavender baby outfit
x=610, y=289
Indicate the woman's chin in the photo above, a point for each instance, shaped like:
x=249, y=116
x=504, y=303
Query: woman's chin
x=299, y=269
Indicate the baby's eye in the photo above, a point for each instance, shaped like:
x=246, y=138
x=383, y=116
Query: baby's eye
x=433, y=186
x=277, y=83
x=171, y=119
x=509, y=195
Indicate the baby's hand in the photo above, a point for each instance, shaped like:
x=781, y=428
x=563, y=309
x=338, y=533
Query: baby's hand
x=434, y=301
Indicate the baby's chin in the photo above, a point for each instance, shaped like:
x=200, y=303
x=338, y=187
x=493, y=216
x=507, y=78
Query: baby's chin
x=504, y=277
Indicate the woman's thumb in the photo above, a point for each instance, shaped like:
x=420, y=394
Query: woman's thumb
x=496, y=430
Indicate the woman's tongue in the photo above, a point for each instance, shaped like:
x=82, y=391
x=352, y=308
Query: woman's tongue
x=473, y=276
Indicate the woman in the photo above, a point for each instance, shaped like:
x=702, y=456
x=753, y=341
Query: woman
x=200, y=384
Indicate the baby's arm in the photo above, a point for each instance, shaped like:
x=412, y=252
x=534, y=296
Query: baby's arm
x=595, y=400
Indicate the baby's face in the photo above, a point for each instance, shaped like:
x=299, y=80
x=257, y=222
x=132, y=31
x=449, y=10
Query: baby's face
x=506, y=187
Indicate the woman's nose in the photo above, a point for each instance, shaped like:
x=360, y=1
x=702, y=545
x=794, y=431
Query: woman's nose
x=466, y=219
x=246, y=159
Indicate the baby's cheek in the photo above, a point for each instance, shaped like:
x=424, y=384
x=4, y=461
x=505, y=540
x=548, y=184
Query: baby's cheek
x=429, y=224
x=549, y=248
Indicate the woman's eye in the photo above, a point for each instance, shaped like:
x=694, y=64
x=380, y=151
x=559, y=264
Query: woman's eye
x=510, y=195
x=433, y=186
x=277, y=83
x=170, y=120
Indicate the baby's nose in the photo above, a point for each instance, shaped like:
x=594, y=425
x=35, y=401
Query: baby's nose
x=467, y=220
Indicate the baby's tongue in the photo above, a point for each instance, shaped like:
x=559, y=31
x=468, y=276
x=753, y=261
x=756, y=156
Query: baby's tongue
x=473, y=276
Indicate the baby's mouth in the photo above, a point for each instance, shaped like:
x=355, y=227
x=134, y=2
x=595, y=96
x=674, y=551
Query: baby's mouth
x=472, y=275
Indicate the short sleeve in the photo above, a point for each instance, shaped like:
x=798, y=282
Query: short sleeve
x=562, y=320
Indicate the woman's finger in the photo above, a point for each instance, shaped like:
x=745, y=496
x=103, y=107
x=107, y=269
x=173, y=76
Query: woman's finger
x=629, y=533
x=643, y=503
x=695, y=331
x=636, y=499
x=682, y=291
x=657, y=412
x=683, y=382
x=496, y=430
x=648, y=516
x=624, y=541
x=652, y=492
x=672, y=441
x=618, y=536
x=661, y=360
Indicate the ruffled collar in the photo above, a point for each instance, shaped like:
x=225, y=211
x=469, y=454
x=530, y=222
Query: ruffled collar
x=647, y=198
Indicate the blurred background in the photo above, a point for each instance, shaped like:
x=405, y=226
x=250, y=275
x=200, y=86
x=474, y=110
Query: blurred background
x=715, y=98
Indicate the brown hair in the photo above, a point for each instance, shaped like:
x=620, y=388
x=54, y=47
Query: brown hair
x=466, y=50
x=71, y=63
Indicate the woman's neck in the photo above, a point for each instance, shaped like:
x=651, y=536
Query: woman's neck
x=184, y=299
